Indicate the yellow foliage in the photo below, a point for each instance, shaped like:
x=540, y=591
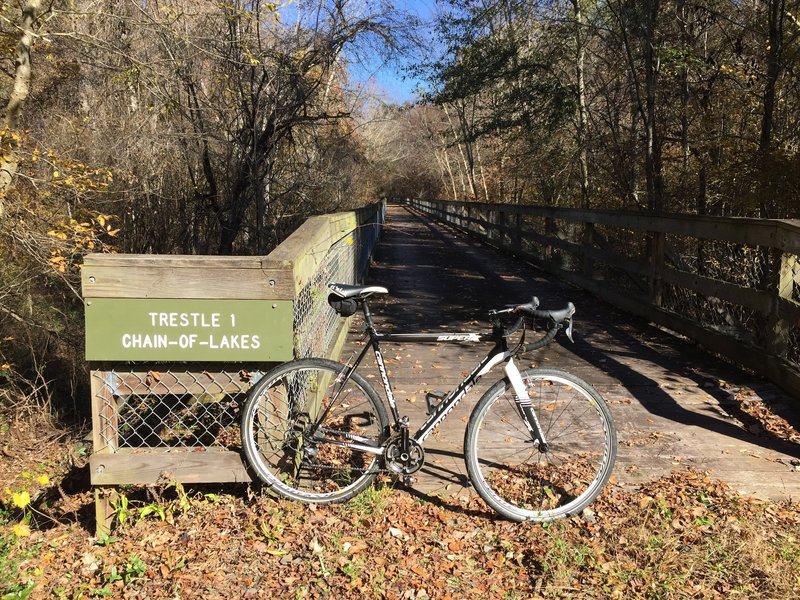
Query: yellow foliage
x=21, y=499
x=78, y=237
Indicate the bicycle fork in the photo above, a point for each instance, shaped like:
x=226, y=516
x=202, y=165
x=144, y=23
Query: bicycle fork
x=525, y=405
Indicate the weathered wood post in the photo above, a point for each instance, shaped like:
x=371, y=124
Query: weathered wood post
x=656, y=247
x=787, y=276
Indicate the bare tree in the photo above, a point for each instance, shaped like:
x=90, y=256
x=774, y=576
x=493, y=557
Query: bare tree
x=20, y=89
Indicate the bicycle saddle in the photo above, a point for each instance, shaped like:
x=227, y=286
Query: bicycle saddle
x=357, y=292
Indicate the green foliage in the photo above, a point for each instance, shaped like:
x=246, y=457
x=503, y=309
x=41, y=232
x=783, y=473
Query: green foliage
x=15, y=584
x=121, y=511
x=371, y=501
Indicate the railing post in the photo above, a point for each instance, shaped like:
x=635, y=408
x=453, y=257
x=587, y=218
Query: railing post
x=587, y=241
x=787, y=274
x=657, y=241
x=104, y=441
x=550, y=252
x=516, y=234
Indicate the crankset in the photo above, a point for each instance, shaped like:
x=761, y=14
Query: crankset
x=403, y=461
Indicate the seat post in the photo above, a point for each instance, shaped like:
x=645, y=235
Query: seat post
x=367, y=316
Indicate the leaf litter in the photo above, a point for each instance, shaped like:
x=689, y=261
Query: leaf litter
x=685, y=535
x=682, y=536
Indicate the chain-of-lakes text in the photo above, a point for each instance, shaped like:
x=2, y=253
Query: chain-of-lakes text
x=194, y=320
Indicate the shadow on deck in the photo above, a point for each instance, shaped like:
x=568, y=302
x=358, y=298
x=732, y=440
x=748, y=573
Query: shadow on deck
x=675, y=406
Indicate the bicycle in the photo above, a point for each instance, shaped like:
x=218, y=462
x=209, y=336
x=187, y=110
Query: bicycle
x=540, y=444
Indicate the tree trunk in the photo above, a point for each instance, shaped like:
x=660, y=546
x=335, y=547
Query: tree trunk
x=583, y=113
x=9, y=162
x=653, y=167
x=776, y=10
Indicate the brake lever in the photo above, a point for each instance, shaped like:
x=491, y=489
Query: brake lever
x=529, y=307
x=568, y=329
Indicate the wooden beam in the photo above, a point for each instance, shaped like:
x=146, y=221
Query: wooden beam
x=152, y=466
x=783, y=234
x=192, y=277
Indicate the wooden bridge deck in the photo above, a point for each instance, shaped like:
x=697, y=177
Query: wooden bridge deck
x=675, y=406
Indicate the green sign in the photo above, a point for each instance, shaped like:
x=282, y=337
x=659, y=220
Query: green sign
x=188, y=330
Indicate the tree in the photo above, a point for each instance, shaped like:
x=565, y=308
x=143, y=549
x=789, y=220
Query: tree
x=17, y=96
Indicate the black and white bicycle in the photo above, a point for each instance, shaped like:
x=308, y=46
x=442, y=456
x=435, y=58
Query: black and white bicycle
x=540, y=443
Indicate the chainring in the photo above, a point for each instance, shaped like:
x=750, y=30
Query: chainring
x=400, y=463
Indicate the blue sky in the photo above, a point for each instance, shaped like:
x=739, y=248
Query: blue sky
x=386, y=79
x=390, y=79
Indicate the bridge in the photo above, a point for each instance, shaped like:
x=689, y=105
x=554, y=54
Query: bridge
x=175, y=342
x=675, y=405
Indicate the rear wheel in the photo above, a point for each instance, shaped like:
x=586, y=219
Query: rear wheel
x=311, y=436
x=515, y=475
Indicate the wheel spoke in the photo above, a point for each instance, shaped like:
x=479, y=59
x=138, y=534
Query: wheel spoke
x=514, y=476
x=298, y=440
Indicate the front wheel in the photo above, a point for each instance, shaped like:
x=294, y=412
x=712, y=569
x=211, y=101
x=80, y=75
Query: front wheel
x=517, y=476
x=310, y=434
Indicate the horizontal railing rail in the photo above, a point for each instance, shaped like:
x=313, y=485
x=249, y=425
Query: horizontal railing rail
x=730, y=284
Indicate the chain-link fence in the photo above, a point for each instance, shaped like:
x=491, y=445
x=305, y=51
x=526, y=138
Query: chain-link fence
x=195, y=406
x=169, y=408
x=733, y=282
x=316, y=324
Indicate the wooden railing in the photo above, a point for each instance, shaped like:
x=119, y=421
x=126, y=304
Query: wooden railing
x=175, y=342
x=730, y=284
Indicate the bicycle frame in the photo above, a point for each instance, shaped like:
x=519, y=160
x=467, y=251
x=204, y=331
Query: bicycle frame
x=499, y=353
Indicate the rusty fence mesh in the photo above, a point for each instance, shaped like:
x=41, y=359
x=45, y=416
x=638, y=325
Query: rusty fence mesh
x=196, y=406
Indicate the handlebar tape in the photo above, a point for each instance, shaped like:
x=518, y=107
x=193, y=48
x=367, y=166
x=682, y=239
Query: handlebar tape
x=557, y=316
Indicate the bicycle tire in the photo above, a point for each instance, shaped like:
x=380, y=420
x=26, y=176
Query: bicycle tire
x=276, y=425
x=507, y=468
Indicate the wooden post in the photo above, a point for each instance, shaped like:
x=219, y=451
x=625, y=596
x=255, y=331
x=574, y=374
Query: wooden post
x=587, y=241
x=516, y=235
x=656, y=242
x=104, y=441
x=787, y=275
x=550, y=253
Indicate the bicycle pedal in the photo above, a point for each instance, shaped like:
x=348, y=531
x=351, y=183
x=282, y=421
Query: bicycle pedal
x=433, y=399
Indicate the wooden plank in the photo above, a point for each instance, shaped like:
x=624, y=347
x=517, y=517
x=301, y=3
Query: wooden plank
x=154, y=465
x=200, y=280
x=176, y=261
x=278, y=276
x=735, y=294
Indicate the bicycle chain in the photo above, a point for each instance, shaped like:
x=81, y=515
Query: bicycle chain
x=357, y=469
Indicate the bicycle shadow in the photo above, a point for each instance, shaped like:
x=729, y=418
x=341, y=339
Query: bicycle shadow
x=444, y=486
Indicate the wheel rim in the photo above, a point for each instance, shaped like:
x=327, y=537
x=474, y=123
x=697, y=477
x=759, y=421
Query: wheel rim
x=288, y=458
x=523, y=483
